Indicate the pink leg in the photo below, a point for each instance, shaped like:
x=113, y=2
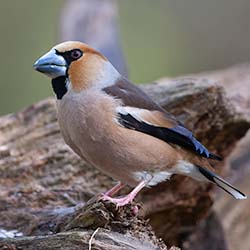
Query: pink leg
x=114, y=189
x=128, y=198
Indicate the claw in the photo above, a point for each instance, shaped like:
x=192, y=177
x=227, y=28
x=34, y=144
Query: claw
x=120, y=202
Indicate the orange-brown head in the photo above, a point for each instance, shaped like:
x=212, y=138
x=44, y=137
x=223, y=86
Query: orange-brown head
x=77, y=65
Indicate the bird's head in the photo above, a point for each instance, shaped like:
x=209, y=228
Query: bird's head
x=76, y=66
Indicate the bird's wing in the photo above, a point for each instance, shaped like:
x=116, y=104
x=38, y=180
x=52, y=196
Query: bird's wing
x=140, y=113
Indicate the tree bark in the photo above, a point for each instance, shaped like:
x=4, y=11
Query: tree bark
x=94, y=225
x=40, y=173
x=235, y=216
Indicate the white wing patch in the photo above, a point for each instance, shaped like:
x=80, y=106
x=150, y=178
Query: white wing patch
x=137, y=113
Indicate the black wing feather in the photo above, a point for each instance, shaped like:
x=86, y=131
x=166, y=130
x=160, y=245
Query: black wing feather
x=132, y=96
x=178, y=135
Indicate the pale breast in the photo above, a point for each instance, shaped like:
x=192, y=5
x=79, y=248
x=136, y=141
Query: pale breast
x=89, y=126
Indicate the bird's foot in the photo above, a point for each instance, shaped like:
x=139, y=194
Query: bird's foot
x=120, y=202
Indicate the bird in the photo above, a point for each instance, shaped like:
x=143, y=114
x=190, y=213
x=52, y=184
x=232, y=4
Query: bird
x=114, y=126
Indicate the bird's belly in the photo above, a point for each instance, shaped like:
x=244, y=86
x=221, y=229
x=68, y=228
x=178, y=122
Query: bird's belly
x=125, y=155
x=128, y=159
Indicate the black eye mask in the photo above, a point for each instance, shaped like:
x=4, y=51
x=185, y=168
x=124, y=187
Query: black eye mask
x=71, y=55
x=59, y=83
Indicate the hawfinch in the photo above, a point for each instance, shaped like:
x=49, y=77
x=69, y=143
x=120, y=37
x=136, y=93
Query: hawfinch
x=114, y=126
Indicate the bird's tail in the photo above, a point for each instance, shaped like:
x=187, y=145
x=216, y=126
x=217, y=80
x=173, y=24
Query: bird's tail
x=221, y=183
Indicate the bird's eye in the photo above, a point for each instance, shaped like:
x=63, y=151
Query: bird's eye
x=75, y=54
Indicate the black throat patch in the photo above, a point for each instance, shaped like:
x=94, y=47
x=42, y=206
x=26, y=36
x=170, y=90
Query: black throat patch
x=59, y=86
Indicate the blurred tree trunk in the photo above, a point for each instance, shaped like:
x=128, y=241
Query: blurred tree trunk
x=94, y=22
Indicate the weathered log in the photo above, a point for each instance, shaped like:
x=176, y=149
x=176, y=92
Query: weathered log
x=95, y=225
x=39, y=172
x=235, y=217
x=216, y=123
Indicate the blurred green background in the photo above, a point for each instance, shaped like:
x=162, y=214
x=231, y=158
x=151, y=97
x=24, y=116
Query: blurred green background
x=159, y=38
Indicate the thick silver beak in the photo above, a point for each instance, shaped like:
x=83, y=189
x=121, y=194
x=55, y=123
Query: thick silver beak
x=51, y=64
